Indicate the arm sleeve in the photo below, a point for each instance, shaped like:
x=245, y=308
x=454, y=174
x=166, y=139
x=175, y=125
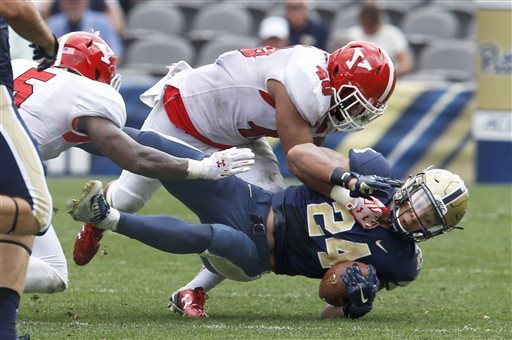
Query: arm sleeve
x=101, y=101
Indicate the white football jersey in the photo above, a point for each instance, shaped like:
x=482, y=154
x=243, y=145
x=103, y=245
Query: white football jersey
x=228, y=101
x=50, y=101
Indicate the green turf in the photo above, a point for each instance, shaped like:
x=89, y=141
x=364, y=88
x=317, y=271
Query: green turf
x=463, y=291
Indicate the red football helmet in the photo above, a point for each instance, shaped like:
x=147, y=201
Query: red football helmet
x=88, y=55
x=363, y=78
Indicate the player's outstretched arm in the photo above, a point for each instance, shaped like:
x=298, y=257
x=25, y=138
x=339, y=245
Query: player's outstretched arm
x=24, y=18
x=113, y=143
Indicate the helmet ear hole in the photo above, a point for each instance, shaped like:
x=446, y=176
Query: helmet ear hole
x=336, y=70
x=97, y=73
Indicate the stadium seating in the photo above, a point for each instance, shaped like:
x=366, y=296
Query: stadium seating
x=154, y=54
x=150, y=17
x=452, y=59
x=427, y=23
x=211, y=50
x=218, y=19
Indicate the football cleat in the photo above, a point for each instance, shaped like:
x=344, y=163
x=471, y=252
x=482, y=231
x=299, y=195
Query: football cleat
x=87, y=244
x=91, y=207
x=189, y=302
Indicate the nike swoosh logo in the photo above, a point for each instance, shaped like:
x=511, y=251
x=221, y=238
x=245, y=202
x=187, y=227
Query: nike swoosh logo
x=363, y=299
x=378, y=244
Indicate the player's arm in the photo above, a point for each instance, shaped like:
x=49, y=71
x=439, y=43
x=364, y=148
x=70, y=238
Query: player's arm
x=113, y=143
x=24, y=18
x=291, y=127
x=313, y=165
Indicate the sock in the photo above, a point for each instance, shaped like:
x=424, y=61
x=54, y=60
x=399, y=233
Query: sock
x=42, y=278
x=111, y=221
x=9, y=303
x=205, y=279
x=166, y=233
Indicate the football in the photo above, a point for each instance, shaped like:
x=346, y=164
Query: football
x=332, y=290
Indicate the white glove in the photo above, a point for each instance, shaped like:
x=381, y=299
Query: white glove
x=221, y=164
x=366, y=211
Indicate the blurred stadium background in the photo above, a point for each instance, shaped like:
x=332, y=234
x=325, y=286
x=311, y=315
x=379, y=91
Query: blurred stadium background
x=453, y=111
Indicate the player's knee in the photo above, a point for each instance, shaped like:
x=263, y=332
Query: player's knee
x=233, y=254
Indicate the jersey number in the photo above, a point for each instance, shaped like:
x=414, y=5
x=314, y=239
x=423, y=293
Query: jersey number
x=258, y=51
x=336, y=220
x=24, y=89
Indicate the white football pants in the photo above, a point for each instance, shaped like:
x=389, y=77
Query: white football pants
x=47, y=268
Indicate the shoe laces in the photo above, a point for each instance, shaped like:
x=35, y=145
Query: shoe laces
x=100, y=208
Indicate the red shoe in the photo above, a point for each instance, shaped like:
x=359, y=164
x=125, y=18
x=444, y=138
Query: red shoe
x=87, y=244
x=189, y=302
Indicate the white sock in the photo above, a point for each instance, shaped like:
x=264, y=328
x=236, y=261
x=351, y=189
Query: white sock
x=42, y=278
x=111, y=221
x=205, y=279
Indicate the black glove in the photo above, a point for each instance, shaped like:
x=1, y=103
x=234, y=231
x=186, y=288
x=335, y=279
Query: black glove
x=365, y=185
x=45, y=60
x=361, y=291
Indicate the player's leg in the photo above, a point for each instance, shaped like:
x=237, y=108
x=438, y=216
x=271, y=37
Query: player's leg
x=228, y=250
x=47, y=268
x=25, y=202
x=15, y=252
x=264, y=173
x=22, y=176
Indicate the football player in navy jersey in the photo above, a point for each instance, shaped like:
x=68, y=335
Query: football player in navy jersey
x=246, y=231
x=25, y=202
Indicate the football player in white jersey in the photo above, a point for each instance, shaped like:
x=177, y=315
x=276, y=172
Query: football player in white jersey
x=77, y=101
x=298, y=94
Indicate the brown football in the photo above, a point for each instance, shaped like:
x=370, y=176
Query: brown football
x=332, y=290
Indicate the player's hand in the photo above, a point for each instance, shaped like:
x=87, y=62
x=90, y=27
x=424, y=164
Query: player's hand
x=361, y=291
x=363, y=186
x=222, y=164
x=45, y=57
x=366, y=211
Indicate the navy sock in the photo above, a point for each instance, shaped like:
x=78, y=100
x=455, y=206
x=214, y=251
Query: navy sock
x=166, y=233
x=9, y=303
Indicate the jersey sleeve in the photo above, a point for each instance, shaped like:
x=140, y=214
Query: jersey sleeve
x=101, y=100
x=303, y=81
x=369, y=162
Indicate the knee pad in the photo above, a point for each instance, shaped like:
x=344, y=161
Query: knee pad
x=130, y=198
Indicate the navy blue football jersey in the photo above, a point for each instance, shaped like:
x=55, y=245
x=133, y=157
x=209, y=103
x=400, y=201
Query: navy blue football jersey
x=5, y=57
x=313, y=232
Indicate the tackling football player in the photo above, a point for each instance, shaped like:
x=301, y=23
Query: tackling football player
x=299, y=94
x=246, y=231
x=76, y=101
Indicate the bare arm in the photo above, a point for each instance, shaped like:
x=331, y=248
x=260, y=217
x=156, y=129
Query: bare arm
x=24, y=18
x=313, y=165
x=291, y=127
x=310, y=163
x=113, y=143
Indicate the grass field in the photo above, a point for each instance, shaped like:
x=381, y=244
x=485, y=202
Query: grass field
x=463, y=291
